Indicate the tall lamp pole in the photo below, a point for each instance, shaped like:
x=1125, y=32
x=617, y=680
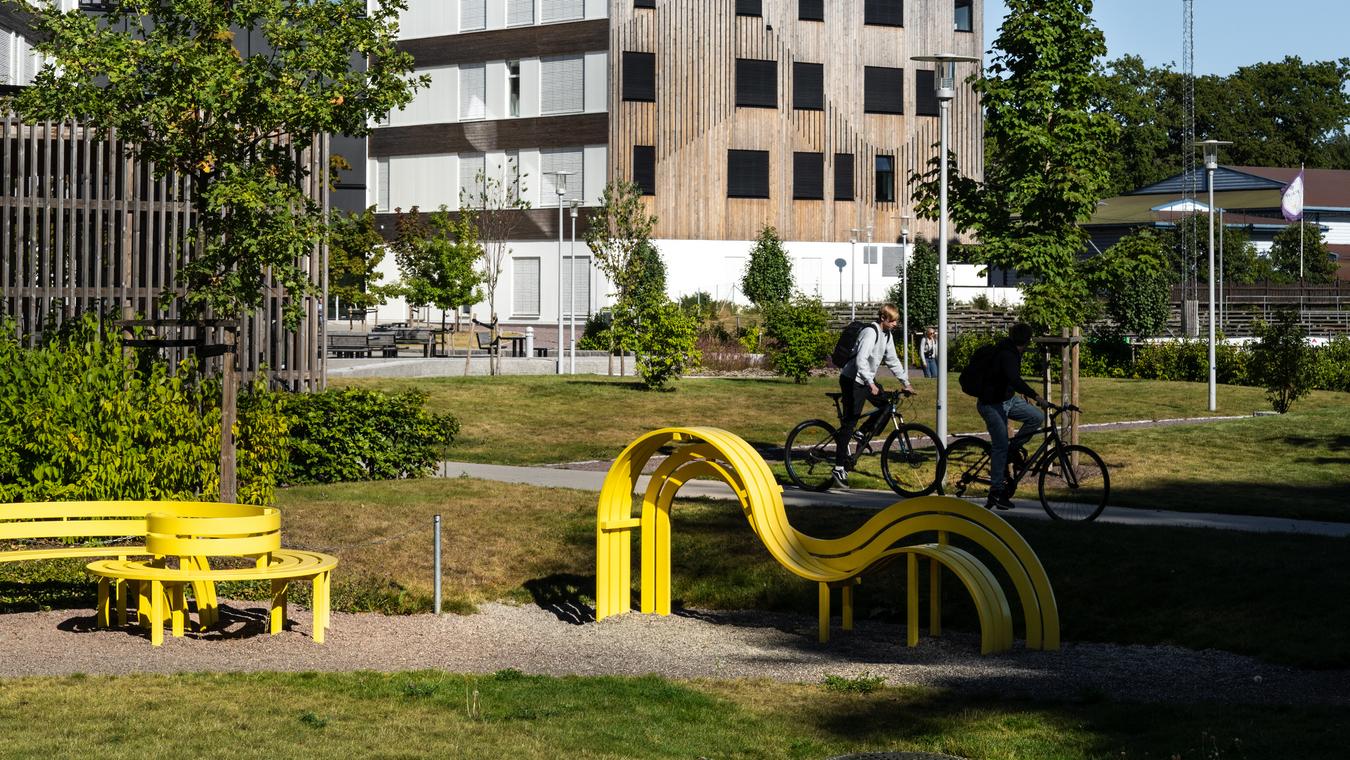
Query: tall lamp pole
x=572, y=290
x=904, y=281
x=945, y=84
x=1211, y=149
x=868, y=266
x=560, y=187
x=852, y=266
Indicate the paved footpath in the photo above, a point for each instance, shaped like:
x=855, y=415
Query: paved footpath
x=590, y=479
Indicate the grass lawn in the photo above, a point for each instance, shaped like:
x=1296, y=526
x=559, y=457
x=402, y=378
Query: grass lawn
x=507, y=714
x=1294, y=466
x=1268, y=596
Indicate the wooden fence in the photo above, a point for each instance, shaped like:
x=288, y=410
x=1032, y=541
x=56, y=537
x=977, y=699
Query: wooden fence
x=85, y=226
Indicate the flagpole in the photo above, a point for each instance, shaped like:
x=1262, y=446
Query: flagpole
x=1300, y=234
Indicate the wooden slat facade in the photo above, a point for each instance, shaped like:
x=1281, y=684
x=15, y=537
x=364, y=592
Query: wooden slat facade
x=695, y=121
x=85, y=226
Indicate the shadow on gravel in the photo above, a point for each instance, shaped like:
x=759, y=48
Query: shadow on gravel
x=561, y=594
x=234, y=623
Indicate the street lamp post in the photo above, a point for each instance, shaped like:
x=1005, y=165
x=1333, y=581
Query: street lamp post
x=904, y=281
x=868, y=266
x=560, y=187
x=572, y=291
x=1211, y=149
x=944, y=82
x=852, y=265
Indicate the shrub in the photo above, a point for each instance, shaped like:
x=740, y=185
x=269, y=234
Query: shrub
x=768, y=274
x=723, y=355
x=800, y=340
x=667, y=344
x=79, y=420
x=1282, y=361
x=351, y=434
x=1333, y=365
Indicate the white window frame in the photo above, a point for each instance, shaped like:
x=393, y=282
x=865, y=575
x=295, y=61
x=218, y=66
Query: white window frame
x=518, y=292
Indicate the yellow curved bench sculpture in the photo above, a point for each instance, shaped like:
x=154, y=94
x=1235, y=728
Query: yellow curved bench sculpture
x=704, y=452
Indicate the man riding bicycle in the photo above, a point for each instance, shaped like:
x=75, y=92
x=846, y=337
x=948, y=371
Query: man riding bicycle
x=857, y=381
x=999, y=402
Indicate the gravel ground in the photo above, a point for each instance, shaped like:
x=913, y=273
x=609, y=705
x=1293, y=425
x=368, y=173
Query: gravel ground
x=692, y=644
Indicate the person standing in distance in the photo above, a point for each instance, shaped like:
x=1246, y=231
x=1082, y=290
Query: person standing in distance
x=928, y=352
x=857, y=381
x=999, y=402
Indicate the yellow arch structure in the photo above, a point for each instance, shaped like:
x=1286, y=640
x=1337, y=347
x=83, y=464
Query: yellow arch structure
x=706, y=452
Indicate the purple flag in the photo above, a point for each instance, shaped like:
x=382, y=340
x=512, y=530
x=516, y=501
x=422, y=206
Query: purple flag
x=1291, y=202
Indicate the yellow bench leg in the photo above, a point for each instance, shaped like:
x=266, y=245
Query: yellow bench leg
x=102, y=617
x=846, y=602
x=824, y=634
x=277, y=620
x=934, y=598
x=156, y=616
x=177, y=608
x=319, y=603
x=912, y=601
x=121, y=589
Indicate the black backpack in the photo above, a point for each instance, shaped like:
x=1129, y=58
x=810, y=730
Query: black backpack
x=979, y=375
x=847, y=343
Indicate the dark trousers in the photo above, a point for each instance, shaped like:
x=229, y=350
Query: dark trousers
x=852, y=404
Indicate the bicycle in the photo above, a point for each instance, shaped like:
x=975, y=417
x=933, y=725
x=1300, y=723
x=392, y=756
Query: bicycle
x=1073, y=482
x=909, y=468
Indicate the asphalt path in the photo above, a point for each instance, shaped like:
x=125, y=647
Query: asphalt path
x=588, y=476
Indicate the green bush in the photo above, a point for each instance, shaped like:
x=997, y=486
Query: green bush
x=668, y=344
x=351, y=434
x=79, y=420
x=799, y=336
x=1282, y=361
x=1333, y=365
x=1188, y=361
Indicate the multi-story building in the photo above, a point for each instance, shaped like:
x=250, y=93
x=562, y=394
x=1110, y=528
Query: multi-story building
x=807, y=115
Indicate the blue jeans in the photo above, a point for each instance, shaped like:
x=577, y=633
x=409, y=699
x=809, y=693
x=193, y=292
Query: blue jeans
x=996, y=418
x=930, y=367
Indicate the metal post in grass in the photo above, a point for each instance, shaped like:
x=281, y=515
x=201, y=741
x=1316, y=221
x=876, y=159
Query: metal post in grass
x=437, y=542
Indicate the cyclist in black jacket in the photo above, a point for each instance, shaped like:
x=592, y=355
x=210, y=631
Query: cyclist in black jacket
x=999, y=402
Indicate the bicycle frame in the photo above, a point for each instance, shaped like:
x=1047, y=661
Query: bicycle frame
x=866, y=422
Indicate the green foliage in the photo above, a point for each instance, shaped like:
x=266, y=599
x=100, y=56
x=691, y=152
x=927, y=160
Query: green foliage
x=649, y=274
x=865, y=683
x=923, y=287
x=1279, y=113
x=355, y=250
x=1333, y=365
x=437, y=257
x=1131, y=279
x=768, y=274
x=1188, y=361
x=620, y=235
x=667, y=344
x=595, y=335
x=234, y=117
x=1282, y=361
x=1318, y=266
x=800, y=338
x=1047, y=154
x=351, y=434
x=78, y=420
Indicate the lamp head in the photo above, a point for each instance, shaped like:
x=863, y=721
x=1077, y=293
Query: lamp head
x=944, y=65
x=1211, y=151
x=560, y=182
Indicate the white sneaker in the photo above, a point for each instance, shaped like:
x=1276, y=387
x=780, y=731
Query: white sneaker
x=840, y=476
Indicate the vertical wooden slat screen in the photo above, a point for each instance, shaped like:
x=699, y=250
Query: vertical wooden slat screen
x=85, y=226
x=694, y=121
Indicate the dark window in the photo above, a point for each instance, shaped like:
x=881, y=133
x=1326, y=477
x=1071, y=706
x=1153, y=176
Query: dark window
x=925, y=97
x=747, y=174
x=644, y=168
x=808, y=84
x=639, y=76
x=843, y=176
x=811, y=10
x=749, y=8
x=808, y=176
x=963, y=16
x=884, y=12
x=885, y=179
x=644, y=3
x=756, y=83
x=883, y=90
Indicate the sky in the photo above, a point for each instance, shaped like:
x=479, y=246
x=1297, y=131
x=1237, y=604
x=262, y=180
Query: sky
x=1228, y=33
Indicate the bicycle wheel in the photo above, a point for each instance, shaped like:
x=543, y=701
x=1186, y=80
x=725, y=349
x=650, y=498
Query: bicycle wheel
x=966, y=470
x=1074, y=484
x=809, y=455
x=911, y=460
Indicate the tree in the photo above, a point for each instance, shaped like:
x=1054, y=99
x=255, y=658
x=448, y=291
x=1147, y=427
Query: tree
x=667, y=343
x=169, y=78
x=1048, y=160
x=799, y=336
x=236, y=122
x=923, y=287
x=619, y=230
x=355, y=250
x=1131, y=279
x=768, y=274
x=438, y=257
x=495, y=201
x=1239, y=256
x=1282, y=361
x=1318, y=266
